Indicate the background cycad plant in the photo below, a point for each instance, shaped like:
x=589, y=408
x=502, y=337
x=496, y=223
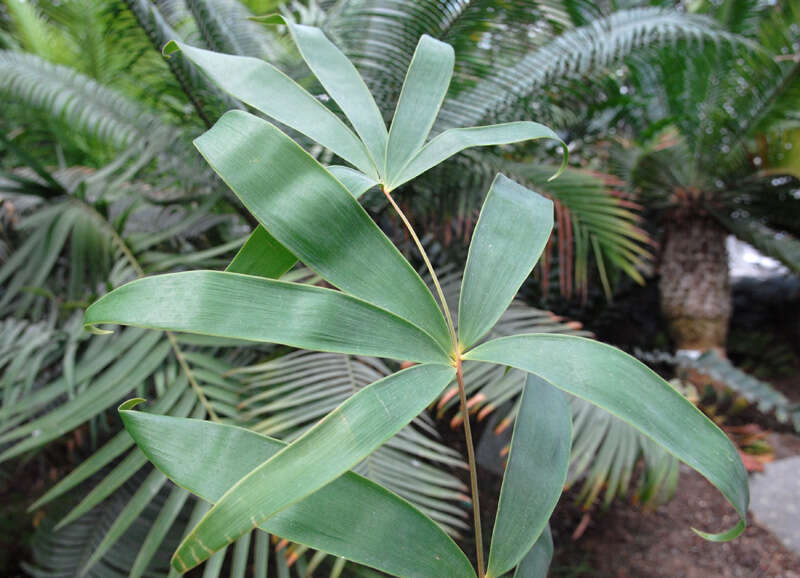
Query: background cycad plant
x=379, y=306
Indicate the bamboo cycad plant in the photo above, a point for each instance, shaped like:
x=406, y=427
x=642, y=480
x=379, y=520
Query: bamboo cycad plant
x=379, y=306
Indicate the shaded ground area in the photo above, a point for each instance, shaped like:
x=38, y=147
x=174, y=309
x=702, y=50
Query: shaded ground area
x=626, y=543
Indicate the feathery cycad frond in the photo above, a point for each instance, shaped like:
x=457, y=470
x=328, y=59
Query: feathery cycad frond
x=581, y=51
x=78, y=101
x=725, y=119
x=143, y=546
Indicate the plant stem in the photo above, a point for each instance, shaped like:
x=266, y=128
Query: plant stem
x=435, y=279
x=473, y=468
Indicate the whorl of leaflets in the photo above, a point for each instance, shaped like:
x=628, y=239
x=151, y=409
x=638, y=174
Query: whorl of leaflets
x=378, y=306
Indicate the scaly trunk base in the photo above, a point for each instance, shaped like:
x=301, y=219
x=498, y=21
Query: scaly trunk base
x=694, y=285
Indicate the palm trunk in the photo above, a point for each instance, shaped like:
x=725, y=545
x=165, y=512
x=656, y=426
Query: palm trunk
x=694, y=286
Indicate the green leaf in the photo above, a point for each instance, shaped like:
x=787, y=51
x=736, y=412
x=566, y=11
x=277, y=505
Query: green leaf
x=115, y=447
x=511, y=233
x=536, y=563
x=124, y=470
x=337, y=443
x=356, y=182
x=628, y=389
x=267, y=89
x=535, y=473
x=336, y=519
x=258, y=309
x=455, y=140
x=264, y=256
x=314, y=216
x=423, y=91
x=342, y=82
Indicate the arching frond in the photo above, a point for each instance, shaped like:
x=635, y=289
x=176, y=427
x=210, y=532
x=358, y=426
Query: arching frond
x=225, y=27
x=78, y=101
x=147, y=516
x=35, y=35
x=581, y=51
x=595, y=217
x=207, y=101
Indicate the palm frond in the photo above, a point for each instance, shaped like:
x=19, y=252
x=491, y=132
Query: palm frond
x=718, y=100
x=595, y=217
x=79, y=102
x=207, y=101
x=35, y=34
x=596, y=46
x=225, y=27
x=147, y=516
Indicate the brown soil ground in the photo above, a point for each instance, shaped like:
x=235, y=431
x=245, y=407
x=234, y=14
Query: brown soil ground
x=627, y=543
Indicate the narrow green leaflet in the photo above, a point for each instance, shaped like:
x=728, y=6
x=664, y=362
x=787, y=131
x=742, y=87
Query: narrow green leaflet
x=264, y=256
x=511, y=233
x=314, y=216
x=536, y=562
x=455, y=140
x=158, y=531
x=132, y=510
x=628, y=389
x=535, y=473
x=423, y=91
x=337, y=443
x=267, y=89
x=356, y=182
x=342, y=82
x=339, y=519
x=257, y=309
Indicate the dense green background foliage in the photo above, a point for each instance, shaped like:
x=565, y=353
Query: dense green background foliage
x=678, y=110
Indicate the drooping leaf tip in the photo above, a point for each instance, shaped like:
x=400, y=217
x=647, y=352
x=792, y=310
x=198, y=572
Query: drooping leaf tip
x=94, y=329
x=131, y=403
x=272, y=18
x=170, y=48
x=725, y=536
x=564, y=159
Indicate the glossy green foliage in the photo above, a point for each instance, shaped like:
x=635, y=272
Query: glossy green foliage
x=539, y=458
x=266, y=310
x=325, y=520
x=628, y=389
x=512, y=218
x=316, y=217
x=381, y=307
x=343, y=83
x=423, y=92
x=390, y=159
x=337, y=443
x=536, y=562
x=263, y=255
